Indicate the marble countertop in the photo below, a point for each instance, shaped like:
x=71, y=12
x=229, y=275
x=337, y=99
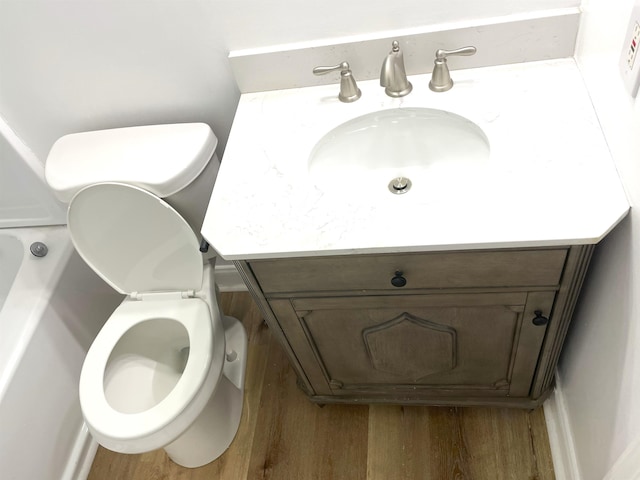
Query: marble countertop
x=550, y=179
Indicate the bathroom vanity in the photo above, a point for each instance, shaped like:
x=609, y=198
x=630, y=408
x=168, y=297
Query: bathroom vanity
x=464, y=327
x=459, y=292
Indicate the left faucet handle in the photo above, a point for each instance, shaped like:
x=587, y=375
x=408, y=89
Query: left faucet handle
x=349, y=91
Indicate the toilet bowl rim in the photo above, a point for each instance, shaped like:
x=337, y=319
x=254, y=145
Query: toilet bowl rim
x=206, y=354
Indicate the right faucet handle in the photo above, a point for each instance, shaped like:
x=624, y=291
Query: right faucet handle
x=440, y=78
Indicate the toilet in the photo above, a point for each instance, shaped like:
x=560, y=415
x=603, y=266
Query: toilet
x=167, y=368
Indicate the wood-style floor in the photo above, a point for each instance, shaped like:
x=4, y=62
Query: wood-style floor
x=284, y=436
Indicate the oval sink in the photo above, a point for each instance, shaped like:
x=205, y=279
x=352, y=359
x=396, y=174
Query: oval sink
x=398, y=150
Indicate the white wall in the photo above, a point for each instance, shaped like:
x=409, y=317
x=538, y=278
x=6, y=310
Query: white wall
x=283, y=21
x=68, y=66
x=73, y=65
x=600, y=366
x=25, y=198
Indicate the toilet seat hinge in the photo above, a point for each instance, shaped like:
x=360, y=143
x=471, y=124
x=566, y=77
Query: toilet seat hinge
x=163, y=295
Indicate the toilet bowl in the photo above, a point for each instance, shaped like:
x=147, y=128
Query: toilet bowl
x=149, y=366
x=167, y=369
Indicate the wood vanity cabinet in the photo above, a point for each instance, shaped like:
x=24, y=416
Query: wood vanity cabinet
x=477, y=327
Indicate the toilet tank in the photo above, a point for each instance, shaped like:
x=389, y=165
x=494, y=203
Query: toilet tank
x=176, y=162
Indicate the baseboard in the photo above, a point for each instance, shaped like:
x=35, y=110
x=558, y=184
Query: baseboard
x=561, y=442
x=228, y=279
x=81, y=457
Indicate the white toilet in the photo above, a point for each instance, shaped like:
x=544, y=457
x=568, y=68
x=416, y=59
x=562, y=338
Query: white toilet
x=167, y=369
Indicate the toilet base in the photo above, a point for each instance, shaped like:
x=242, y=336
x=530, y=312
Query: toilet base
x=215, y=428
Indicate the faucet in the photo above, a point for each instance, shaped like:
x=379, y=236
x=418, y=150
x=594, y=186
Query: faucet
x=440, y=78
x=392, y=75
x=349, y=91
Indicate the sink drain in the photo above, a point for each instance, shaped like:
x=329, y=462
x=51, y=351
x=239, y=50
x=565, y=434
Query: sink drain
x=399, y=185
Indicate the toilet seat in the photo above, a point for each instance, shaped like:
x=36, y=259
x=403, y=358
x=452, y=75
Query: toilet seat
x=143, y=248
x=134, y=240
x=155, y=427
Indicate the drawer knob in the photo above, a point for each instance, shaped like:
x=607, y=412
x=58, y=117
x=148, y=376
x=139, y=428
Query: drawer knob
x=398, y=280
x=540, y=320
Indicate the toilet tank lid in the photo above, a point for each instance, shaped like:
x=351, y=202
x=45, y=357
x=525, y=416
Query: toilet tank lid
x=161, y=159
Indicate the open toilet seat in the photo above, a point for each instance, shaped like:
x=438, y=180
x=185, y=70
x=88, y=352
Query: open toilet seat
x=157, y=426
x=143, y=248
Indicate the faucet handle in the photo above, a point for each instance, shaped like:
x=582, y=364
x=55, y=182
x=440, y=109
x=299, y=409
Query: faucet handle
x=440, y=78
x=441, y=54
x=349, y=91
x=322, y=70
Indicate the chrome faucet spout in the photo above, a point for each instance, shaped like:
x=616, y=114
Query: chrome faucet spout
x=393, y=75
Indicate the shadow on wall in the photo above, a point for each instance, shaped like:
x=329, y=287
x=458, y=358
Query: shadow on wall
x=595, y=355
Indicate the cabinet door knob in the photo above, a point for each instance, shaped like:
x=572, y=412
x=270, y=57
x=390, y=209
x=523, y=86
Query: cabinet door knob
x=398, y=280
x=540, y=320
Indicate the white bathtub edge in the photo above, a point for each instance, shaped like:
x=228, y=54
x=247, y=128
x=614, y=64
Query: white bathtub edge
x=24, y=302
x=54, y=334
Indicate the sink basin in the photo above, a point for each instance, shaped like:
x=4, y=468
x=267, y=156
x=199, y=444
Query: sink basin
x=400, y=150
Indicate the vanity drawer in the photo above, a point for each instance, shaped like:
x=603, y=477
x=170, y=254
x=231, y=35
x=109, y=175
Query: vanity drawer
x=499, y=268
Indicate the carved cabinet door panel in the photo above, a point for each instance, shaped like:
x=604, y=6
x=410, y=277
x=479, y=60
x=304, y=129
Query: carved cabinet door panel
x=483, y=343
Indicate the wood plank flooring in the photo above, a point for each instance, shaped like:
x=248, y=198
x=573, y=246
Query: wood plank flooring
x=284, y=436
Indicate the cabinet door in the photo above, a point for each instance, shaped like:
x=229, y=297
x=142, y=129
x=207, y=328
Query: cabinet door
x=443, y=344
